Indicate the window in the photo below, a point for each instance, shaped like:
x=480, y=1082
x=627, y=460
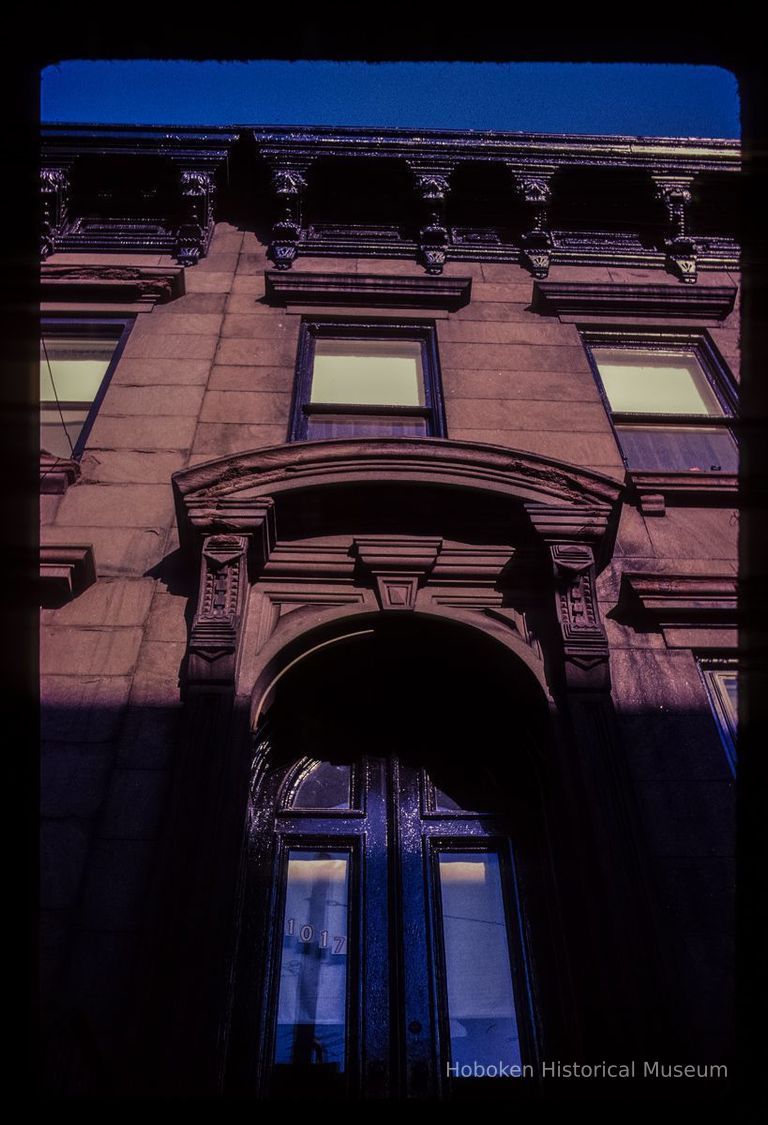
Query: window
x=77, y=358
x=367, y=379
x=670, y=397
x=722, y=683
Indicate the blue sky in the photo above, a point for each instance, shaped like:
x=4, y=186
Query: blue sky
x=644, y=99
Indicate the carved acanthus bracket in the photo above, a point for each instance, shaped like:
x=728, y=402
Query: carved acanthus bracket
x=193, y=235
x=54, y=189
x=398, y=564
x=236, y=541
x=432, y=187
x=570, y=535
x=535, y=190
x=675, y=194
x=289, y=184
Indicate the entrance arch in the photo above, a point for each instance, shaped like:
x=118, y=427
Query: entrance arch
x=432, y=743
x=297, y=547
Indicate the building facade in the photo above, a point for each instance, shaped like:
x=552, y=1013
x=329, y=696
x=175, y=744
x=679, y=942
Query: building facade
x=388, y=571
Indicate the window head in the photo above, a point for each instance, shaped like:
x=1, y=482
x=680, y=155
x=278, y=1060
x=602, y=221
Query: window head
x=367, y=379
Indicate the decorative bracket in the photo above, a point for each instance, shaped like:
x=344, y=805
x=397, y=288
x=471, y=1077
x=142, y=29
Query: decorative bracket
x=215, y=629
x=534, y=188
x=193, y=235
x=237, y=539
x=399, y=564
x=289, y=184
x=54, y=188
x=432, y=186
x=675, y=194
x=570, y=535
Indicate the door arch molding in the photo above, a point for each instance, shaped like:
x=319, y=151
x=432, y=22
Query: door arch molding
x=302, y=634
x=233, y=511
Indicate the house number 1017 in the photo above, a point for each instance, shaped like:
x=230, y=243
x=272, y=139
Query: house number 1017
x=306, y=933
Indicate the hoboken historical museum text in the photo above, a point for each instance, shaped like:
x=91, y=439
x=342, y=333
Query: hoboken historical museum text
x=646, y=1068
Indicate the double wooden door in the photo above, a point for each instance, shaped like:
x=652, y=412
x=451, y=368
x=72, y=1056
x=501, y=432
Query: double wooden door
x=389, y=915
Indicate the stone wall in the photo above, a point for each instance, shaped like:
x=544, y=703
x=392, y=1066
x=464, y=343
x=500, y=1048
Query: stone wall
x=211, y=373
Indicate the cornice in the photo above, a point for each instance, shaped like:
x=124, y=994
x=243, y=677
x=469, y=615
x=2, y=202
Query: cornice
x=708, y=302
x=141, y=285
x=671, y=169
x=672, y=599
x=179, y=143
x=369, y=290
x=671, y=154
x=698, y=611
x=654, y=490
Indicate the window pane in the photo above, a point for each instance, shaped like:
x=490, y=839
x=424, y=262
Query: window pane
x=481, y=1006
x=444, y=803
x=325, y=786
x=312, y=1002
x=679, y=448
x=655, y=382
x=730, y=685
x=326, y=426
x=53, y=439
x=723, y=689
x=77, y=365
x=368, y=372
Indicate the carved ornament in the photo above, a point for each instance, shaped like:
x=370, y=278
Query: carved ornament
x=674, y=192
x=570, y=535
x=398, y=565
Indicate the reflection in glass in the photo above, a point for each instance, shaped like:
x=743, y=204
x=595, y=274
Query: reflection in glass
x=655, y=382
x=311, y=1017
x=730, y=682
x=723, y=688
x=481, y=1005
x=444, y=803
x=324, y=786
x=323, y=427
x=703, y=448
x=71, y=372
x=368, y=372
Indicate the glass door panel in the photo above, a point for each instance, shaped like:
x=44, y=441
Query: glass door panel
x=312, y=998
x=476, y=956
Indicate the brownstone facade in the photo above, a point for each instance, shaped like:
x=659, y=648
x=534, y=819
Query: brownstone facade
x=194, y=558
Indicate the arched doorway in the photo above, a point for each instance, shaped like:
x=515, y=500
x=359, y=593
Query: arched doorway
x=399, y=933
